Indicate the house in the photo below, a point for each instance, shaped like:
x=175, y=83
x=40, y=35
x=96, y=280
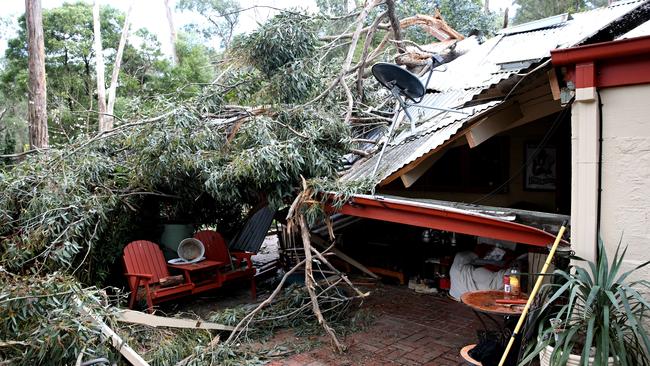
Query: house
x=526, y=154
x=610, y=139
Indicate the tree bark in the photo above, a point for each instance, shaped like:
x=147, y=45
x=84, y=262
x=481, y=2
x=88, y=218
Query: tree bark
x=112, y=90
x=172, y=31
x=394, y=24
x=99, y=60
x=37, y=90
x=364, y=53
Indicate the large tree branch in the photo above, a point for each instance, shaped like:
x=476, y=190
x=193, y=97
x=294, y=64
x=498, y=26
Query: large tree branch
x=394, y=24
x=364, y=53
x=310, y=283
x=353, y=45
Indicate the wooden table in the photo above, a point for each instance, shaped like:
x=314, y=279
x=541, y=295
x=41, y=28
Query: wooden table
x=485, y=302
x=190, y=269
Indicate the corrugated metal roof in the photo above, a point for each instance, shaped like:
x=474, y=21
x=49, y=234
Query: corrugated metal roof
x=500, y=60
x=410, y=149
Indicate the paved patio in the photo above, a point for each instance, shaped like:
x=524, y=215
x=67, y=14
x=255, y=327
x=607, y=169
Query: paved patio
x=409, y=329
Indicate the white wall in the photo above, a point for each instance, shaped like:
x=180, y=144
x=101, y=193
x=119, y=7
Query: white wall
x=625, y=201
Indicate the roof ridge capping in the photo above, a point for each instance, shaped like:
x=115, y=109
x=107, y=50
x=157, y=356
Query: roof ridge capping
x=550, y=22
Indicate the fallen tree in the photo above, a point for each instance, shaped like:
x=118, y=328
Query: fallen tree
x=273, y=127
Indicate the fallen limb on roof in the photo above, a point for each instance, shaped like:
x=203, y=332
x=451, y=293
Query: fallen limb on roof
x=137, y=317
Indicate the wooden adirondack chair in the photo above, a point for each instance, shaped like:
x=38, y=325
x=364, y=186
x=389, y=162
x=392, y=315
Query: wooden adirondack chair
x=217, y=250
x=145, y=266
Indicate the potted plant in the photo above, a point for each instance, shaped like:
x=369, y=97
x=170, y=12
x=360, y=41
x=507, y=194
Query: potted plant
x=594, y=318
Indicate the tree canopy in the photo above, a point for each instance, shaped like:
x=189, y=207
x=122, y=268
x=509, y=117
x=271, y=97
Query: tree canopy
x=71, y=72
x=273, y=118
x=529, y=10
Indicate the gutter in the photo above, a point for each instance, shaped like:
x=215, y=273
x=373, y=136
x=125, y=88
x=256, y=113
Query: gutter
x=601, y=51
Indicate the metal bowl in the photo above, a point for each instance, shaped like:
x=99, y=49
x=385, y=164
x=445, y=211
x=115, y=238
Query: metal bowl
x=191, y=250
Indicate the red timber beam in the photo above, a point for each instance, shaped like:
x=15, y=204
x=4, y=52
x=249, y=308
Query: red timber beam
x=443, y=218
x=606, y=64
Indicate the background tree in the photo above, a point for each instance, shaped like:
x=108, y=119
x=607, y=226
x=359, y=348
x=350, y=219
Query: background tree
x=529, y=10
x=172, y=30
x=99, y=66
x=221, y=18
x=112, y=90
x=146, y=76
x=37, y=91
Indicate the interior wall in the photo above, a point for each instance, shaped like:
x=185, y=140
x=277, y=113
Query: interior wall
x=625, y=177
x=516, y=195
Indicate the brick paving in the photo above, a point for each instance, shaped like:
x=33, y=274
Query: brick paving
x=409, y=329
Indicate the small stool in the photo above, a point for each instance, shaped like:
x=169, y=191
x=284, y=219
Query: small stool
x=464, y=353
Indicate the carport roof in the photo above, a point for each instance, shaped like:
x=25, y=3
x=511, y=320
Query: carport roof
x=440, y=217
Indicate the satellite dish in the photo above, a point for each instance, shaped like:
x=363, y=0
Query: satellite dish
x=392, y=76
x=404, y=85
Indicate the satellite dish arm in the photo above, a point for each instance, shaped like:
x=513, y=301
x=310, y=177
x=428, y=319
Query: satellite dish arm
x=435, y=61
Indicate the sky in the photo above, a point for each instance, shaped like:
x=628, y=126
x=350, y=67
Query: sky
x=150, y=14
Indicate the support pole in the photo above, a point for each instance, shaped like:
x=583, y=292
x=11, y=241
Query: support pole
x=533, y=293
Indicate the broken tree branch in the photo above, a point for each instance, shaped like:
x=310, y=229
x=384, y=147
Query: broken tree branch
x=248, y=318
x=309, y=283
x=364, y=53
x=345, y=69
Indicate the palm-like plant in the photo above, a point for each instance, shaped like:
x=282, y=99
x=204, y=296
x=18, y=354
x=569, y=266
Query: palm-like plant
x=597, y=314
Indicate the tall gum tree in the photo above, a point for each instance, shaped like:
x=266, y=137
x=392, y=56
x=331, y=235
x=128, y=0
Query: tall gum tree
x=37, y=89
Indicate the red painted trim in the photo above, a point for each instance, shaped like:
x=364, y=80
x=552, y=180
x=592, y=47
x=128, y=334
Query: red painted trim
x=607, y=64
x=448, y=219
x=585, y=75
x=628, y=71
x=601, y=51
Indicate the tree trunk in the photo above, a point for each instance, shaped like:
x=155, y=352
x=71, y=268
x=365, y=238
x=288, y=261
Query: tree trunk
x=394, y=24
x=116, y=69
x=37, y=102
x=172, y=31
x=99, y=60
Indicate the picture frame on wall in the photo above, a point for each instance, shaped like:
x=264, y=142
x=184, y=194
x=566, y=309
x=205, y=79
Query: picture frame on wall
x=541, y=170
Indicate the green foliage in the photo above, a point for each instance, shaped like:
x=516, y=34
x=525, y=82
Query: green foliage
x=77, y=207
x=465, y=16
x=529, y=10
x=221, y=17
x=146, y=76
x=599, y=311
x=333, y=7
x=27, y=303
x=284, y=39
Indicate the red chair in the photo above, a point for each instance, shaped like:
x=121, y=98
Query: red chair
x=217, y=250
x=145, y=266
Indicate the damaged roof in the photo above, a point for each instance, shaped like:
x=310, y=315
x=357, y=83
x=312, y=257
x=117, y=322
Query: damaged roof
x=481, y=79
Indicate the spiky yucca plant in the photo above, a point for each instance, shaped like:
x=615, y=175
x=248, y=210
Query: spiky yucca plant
x=598, y=313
